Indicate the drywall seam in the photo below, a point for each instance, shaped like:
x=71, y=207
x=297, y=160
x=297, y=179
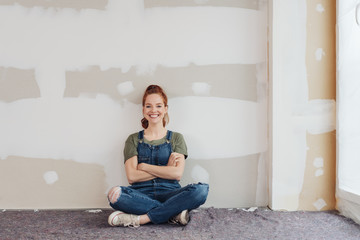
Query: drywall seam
x=62, y=40
x=100, y=122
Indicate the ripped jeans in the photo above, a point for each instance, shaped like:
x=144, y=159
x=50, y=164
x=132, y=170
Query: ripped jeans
x=160, y=199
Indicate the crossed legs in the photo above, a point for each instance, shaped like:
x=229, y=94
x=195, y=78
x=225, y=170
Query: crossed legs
x=113, y=197
x=132, y=201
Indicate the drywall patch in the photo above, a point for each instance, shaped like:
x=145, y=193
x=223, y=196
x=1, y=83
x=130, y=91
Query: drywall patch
x=50, y=177
x=319, y=53
x=125, y=88
x=316, y=116
x=201, y=88
x=319, y=172
x=319, y=204
x=17, y=84
x=320, y=8
x=318, y=162
x=199, y=174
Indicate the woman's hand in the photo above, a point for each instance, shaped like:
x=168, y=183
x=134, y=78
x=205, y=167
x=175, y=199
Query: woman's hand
x=174, y=159
x=142, y=166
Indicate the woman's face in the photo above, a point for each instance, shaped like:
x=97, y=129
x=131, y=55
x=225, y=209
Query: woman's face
x=154, y=109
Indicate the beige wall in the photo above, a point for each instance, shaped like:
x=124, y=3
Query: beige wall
x=320, y=177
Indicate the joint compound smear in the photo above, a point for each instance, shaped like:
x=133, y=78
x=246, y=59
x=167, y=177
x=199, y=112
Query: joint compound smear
x=51, y=177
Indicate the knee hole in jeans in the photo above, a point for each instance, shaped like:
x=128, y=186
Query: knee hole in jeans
x=114, y=194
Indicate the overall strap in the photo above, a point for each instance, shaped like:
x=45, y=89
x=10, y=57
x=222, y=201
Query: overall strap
x=168, y=136
x=141, y=136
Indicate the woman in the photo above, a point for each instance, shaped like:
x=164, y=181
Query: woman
x=154, y=164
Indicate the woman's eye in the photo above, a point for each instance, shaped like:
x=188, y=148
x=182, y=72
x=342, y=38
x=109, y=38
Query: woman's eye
x=147, y=106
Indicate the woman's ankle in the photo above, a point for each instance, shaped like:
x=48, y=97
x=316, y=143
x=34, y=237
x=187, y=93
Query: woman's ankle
x=144, y=219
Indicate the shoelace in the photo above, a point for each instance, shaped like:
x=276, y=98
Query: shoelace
x=133, y=223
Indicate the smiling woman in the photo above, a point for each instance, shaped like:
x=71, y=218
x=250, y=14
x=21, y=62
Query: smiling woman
x=154, y=106
x=154, y=164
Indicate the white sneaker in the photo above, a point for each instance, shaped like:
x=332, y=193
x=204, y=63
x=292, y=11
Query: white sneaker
x=182, y=218
x=119, y=218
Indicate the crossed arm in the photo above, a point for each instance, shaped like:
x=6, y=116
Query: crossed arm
x=143, y=172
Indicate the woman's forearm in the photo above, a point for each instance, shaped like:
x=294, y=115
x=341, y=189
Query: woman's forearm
x=134, y=174
x=171, y=172
x=139, y=176
x=165, y=172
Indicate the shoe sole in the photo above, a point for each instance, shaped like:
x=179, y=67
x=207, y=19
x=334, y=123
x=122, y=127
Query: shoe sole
x=112, y=216
x=184, y=218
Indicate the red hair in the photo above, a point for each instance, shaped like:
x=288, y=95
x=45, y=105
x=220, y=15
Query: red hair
x=155, y=89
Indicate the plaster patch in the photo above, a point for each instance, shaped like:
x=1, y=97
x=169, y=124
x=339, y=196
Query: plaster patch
x=316, y=116
x=319, y=204
x=199, y=174
x=125, y=88
x=50, y=177
x=319, y=172
x=320, y=8
x=201, y=88
x=319, y=53
x=318, y=162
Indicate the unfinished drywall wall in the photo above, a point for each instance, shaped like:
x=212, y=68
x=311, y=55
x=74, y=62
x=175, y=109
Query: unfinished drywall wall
x=303, y=105
x=86, y=65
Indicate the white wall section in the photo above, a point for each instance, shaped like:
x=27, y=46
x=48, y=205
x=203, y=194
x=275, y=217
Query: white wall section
x=348, y=130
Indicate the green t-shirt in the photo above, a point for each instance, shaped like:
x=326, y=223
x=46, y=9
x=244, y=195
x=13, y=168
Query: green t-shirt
x=177, y=143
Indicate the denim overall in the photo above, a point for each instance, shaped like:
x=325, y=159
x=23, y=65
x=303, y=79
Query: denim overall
x=159, y=198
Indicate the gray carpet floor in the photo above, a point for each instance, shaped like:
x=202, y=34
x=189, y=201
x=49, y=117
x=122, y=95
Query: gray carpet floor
x=206, y=223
